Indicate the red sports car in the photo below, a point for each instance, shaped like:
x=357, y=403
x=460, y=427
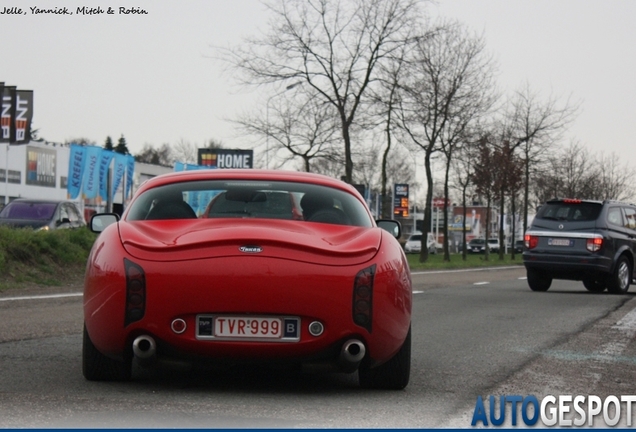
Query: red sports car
x=248, y=265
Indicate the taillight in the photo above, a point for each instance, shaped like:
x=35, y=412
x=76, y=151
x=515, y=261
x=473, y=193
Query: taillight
x=594, y=244
x=572, y=201
x=531, y=241
x=363, y=297
x=135, y=292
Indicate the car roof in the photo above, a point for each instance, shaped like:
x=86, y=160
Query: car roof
x=586, y=201
x=248, y=174
x=39, y=201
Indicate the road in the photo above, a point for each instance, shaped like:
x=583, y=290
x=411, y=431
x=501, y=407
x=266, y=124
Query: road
x=474, y=333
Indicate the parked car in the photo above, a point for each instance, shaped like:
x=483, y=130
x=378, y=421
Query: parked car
x=519, y=244
x=41, y=214
x=478, y=245
x=590, y=241
x=328, y=289
x=414, y=244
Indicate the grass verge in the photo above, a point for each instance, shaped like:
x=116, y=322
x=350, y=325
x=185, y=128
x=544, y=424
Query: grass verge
x=436, y=261
x=42, y=257
x=52, y=258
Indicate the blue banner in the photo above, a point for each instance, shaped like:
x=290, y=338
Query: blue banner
x=130, y=171
x=91, y=172
x=75, y=170
x=119, y=170
x=104, y=166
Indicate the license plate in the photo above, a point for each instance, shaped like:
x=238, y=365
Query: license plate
x=236, y=327
x=560, y=242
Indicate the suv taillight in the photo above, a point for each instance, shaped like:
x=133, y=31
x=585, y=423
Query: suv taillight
x=531, y=241
x=594, y=244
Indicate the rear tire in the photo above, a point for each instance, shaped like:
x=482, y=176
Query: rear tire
x=537, y=281
x=595, y=284
x=618, y=282
x=97, y=367
x=392, y=375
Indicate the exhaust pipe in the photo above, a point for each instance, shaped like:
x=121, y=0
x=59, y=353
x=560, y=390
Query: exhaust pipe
x=145, y=349
x=351, y=354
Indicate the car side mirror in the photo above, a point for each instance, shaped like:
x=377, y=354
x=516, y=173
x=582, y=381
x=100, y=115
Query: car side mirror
x=392, y=226
x=100, y=221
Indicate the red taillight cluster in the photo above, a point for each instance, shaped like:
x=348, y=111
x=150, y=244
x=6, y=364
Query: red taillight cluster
x=531, y=241
x=594, y=244
x=572, y=201
x=135, y=292
x=363, y=298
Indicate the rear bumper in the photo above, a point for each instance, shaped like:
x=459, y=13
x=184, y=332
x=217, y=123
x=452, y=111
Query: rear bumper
x=571, y=267
x=251, y=286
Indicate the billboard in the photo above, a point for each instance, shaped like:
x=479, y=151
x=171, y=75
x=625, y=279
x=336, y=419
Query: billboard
x=401, y=199
x=222, y=158
x=41, y=166
x=16, y=115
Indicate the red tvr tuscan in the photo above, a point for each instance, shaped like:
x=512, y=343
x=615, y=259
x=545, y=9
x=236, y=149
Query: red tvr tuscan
x=247, y=265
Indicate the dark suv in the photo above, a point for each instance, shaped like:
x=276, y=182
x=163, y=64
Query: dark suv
x=590, y=241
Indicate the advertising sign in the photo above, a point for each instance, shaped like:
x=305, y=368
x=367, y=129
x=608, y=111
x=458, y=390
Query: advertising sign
x=401, y=199
x=222, y=158
x=41, y=167
x=23, y=116
x=16, y=115
x=7, y=113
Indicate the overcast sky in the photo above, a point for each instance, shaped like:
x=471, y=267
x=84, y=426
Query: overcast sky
x=152, y=77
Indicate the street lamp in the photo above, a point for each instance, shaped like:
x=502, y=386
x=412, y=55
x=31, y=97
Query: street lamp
x=289, y=87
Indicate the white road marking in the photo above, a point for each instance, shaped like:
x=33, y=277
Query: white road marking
x=40, y=297
x=481, y=283
x=467, y=270
x=627, y=323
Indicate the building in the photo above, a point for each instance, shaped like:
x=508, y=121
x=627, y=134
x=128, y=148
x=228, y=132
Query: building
x=39, y=170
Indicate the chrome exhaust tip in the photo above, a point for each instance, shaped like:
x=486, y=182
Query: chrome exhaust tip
x=352, y=353
x=144, y=348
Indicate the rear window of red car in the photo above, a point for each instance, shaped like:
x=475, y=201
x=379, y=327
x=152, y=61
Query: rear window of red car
x=213, y=199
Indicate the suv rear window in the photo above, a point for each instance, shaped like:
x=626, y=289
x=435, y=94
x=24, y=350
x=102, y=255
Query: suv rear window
x=571, y=212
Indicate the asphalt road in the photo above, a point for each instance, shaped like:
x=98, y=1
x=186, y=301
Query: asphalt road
x=474, y=333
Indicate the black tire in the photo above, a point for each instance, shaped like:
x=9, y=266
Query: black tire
x=97, y=367
x=595, y=284
x=537, y=281
x=392, y=375
x=618, y=282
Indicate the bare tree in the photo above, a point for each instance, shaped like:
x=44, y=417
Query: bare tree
x=385, y=98
x=484, y=179
x=333, y=46
x=448, y=87
x=507, y=169
x=573, y=172
x=615, y=180
x=301, y=127
x=533, y=125
x=463, y=167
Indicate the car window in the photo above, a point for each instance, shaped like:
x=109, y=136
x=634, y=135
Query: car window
x=615, y=216
x=28, y=210
x=572, y=212
x=416, y=237
x=630, y=218
x=214, y=199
